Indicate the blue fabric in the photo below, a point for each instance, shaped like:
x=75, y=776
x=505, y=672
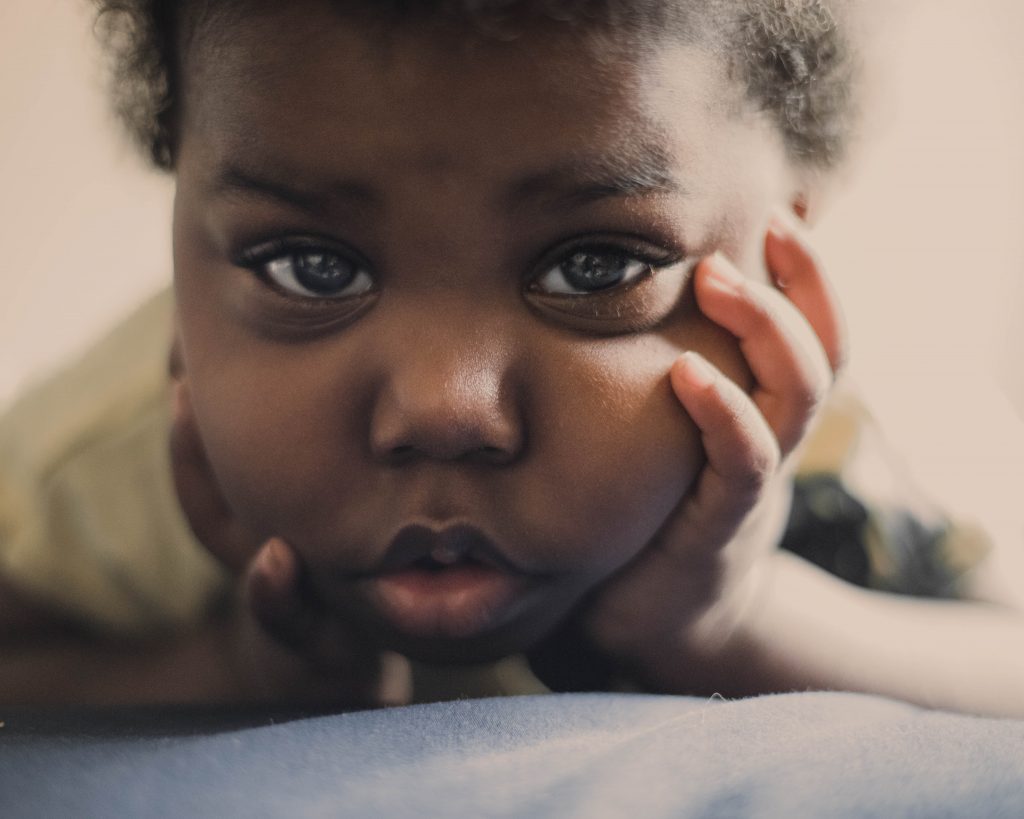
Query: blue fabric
x=586, y=755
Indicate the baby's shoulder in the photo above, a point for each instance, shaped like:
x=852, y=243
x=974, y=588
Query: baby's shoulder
x=115, y=379
x=89, y=521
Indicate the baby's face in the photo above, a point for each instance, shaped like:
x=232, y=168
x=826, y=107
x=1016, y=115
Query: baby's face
x=430, y=289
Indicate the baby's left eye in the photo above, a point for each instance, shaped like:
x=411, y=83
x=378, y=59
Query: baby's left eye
x=317, y=274
x=590, y=271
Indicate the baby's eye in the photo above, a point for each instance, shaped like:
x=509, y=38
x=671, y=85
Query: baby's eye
x=611, y=287
x=589, y=271
x=316, y=273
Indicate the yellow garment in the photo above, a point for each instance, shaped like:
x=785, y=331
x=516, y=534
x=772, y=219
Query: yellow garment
x=89, y=522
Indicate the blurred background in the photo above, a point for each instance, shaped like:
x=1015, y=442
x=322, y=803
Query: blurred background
x=923, y=237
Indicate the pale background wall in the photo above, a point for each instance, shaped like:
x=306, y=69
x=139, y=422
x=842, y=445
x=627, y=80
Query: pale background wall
x=925, y=241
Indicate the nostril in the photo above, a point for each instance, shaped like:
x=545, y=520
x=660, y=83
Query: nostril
x=443, y=426
x=493, y=454
x=402, y=453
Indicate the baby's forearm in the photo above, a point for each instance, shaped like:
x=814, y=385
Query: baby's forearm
x=811, y=630
x=62, y=670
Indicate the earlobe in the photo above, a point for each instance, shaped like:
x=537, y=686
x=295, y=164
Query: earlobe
x=808, y=200
x=180, y=405
x=801, y=206
x=175, y=361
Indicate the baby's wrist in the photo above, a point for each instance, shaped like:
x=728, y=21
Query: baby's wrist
x=706, y=653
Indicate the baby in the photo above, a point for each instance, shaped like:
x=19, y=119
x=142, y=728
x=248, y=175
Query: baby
x=497, y=340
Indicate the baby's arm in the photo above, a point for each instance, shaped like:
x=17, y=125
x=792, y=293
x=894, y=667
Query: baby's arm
x=50, y=658
x=269, y=649
x=46, y=659
x=713, y=606
x=811, y=630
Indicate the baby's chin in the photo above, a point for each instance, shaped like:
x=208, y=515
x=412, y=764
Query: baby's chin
x=464, y=612
x=460, y=629
x=481, y=650
x=466, y=645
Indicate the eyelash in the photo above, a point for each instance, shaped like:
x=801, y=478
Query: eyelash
x=625, y=248
x=628, y=249
x=259, y=257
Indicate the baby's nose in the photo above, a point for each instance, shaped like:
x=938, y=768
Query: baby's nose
x=449, y=405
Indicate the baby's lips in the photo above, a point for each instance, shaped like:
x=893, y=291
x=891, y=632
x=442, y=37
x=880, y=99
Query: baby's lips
x=417, y=542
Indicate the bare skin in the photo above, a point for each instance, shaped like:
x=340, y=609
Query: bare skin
x=489, y=347
x=456, y=382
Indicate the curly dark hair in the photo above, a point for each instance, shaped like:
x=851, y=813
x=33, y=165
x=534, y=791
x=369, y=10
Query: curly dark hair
x=793, y=56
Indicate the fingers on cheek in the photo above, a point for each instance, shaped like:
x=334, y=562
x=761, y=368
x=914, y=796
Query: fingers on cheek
x=740, y=446
x=277, y=604
x=271, y=593
x=799, y=272
x=781, y=347
x=779, y=343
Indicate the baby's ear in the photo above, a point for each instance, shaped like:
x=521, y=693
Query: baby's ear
x=801, y=206
x=175, y=362
x=809, y=199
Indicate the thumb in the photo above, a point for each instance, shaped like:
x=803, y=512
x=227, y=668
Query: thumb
x=299, y=650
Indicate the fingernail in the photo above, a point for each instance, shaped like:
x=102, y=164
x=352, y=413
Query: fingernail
x=696, y=371
x=782, y=223
x=782, y=229
x=274, y=561
x=778, y=228
x=723, y=273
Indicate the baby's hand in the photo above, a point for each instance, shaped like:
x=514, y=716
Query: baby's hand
x=292, y=649
x=667, y=616
x=280, y=645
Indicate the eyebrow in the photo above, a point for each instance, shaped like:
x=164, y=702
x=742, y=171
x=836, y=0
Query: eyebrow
x=234, y=180
x=643, y=171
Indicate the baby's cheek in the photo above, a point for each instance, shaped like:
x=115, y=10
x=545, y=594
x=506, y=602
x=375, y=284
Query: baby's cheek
x=266, y=444
x=615, y=460
x=634, y=454
x=694, y=332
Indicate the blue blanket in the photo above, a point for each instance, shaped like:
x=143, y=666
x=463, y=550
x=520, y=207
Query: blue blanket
x=586, y=755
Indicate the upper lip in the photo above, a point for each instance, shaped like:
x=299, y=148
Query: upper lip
x=416, y=542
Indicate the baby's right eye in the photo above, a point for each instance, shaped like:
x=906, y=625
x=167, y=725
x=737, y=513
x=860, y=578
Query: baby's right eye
x=313, y=273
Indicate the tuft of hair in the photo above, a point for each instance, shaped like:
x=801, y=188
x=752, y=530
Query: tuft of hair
x=799, y=66
x=139, y=39
x=793, y=56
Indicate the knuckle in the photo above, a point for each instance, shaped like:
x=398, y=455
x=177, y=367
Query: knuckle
x=766, y=461
x=763, y=314
x=761, y=464
x=809, y=399
x=840, y=356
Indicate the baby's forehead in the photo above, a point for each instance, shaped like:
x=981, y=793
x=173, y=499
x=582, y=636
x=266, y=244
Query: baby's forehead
x=412, y=98
x=793, y=60
x=409, y=159
x=403, y=40
x=289, y=54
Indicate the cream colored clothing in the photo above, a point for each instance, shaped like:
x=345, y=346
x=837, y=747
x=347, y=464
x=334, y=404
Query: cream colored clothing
x=89, y=522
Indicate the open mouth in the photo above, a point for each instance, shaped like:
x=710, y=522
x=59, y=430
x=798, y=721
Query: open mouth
x=422, y=547
x=448, y=583
x=430, y=563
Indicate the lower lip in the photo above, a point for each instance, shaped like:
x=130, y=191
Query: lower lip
x=455, y=602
